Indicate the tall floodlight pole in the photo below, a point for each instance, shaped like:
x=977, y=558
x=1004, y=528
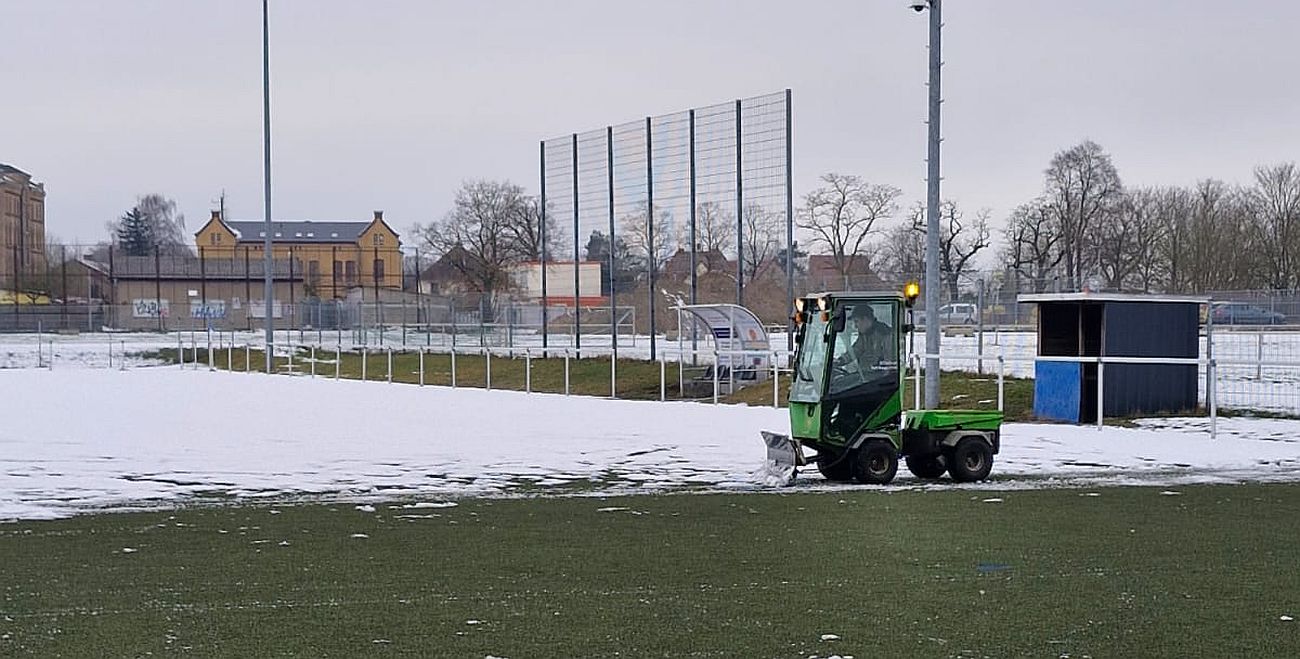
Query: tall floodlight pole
x=932, y=209
x=268, y=262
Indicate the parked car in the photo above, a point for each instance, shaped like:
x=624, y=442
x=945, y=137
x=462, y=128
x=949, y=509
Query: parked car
x=958, y=313
x=1239, y=313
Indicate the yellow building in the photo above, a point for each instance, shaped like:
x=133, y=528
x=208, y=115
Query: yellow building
x=331, y=257
x=22, y=225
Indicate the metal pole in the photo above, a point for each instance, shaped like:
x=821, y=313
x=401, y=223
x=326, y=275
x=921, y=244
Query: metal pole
x=453, y=367
x=487, y=353
x=650, y=228
x=365, y=353
x=663, y=376
x=776, y=383
x=247, y=357
x=542, y=231
x=157, y=287
x=613, y=294
x=613, y=379
x=715, y=376
x=740, y=216
x=566, y=372
x=528, y=370
x=932, y=215
x=577, y=315
x=338, y=359
x=390, y=366
x=694, y=274
x=979, y=328
x=269, y=294
x=789, y=226
x=421, y=367
x=1211, y=376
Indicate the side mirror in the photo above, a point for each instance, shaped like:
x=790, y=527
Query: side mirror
x=837, y=322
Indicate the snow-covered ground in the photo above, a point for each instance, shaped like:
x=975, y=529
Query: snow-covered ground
x=77, y=440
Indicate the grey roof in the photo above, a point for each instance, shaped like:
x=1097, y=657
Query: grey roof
x=299, y=231
x=1109, y=297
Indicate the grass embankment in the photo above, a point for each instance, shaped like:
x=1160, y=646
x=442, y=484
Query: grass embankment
x=637, y=379
x=960, y=573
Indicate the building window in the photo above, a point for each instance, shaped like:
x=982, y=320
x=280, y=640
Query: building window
x=378, y=239
x=338, y=270
x=350, y=270
x=379, y=271
x=313, y=273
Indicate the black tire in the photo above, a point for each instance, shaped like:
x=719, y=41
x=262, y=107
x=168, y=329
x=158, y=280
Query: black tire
x=927, y=466
x=875, y=463
x=971, y=460
x=835, y=466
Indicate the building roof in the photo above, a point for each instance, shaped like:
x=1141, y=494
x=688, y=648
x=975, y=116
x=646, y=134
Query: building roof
x=305, y=231
x=1031, y=298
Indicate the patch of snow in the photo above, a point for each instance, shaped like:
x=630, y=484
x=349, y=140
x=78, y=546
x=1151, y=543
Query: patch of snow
x=141, y=446
x=830, y=637
x=128, y=550
x=358, y=535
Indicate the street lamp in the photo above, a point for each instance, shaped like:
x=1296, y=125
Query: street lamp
x=932, y=209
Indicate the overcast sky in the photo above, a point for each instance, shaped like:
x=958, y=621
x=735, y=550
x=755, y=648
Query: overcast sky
x=390, y=105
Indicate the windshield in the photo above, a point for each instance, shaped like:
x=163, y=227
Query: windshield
x=867, y=350
x=810, y=367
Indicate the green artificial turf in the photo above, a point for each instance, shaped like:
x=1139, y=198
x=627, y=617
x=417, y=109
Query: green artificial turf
x=1127, y=572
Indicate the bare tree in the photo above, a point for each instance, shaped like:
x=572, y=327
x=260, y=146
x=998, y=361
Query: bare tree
x=715, y=228
x=1275, y=200
x=636, y=232
x=477, y=238
x=959, y=241
x=524, y=228
x=902, y=252
x=1129, y=249
x=1033, y=244
x=842, y=214
x=761, y=238
x=1082, y=189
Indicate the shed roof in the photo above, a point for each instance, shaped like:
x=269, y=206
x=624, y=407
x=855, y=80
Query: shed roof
x=1034, y=298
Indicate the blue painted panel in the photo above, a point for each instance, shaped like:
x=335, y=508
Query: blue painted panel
x=1056, y=391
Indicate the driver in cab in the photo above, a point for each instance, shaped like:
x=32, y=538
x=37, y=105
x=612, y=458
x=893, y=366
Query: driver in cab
x=873, y=345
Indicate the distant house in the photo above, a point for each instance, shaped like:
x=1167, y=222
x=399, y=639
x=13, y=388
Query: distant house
x=330, y=257
x=22, y=222
x=679, y=264
x=825, y=275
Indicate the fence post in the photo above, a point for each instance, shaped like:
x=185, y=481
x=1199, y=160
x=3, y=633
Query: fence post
x=1002, y=364
x=528, y=370
x=421, y=367
x=1259, y=356
x=180, y=349
x=916, y=382
x=390, y=365
x=338, y=359
x=1101, y=392
x=247, y=358
x=313, y=361
x=110, y=354
x=776, y=383
x=487, y=352
x=230, y=355
x=453, y=367
x=613, y=377
x=124, y=355
x=288, y=344
x=1214, y=399
x=566, y=371
x=663, y=374
x=715, y=376
x=365, y=353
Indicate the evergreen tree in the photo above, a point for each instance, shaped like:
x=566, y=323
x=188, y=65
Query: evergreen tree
x=135, y=234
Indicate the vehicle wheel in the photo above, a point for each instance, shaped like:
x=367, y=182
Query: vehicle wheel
x=875, y=463
x=927, y=466
x=971, y=460
x=835, y=466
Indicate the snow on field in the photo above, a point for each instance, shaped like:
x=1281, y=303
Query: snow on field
x=86, y=439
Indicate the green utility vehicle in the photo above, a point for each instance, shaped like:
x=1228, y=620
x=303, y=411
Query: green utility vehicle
x=846, y=400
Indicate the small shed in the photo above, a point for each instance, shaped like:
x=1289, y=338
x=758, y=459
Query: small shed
x=1092, y=325
x=744, y=349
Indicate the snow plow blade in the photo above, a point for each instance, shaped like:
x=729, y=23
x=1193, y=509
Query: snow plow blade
x=783, y=459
